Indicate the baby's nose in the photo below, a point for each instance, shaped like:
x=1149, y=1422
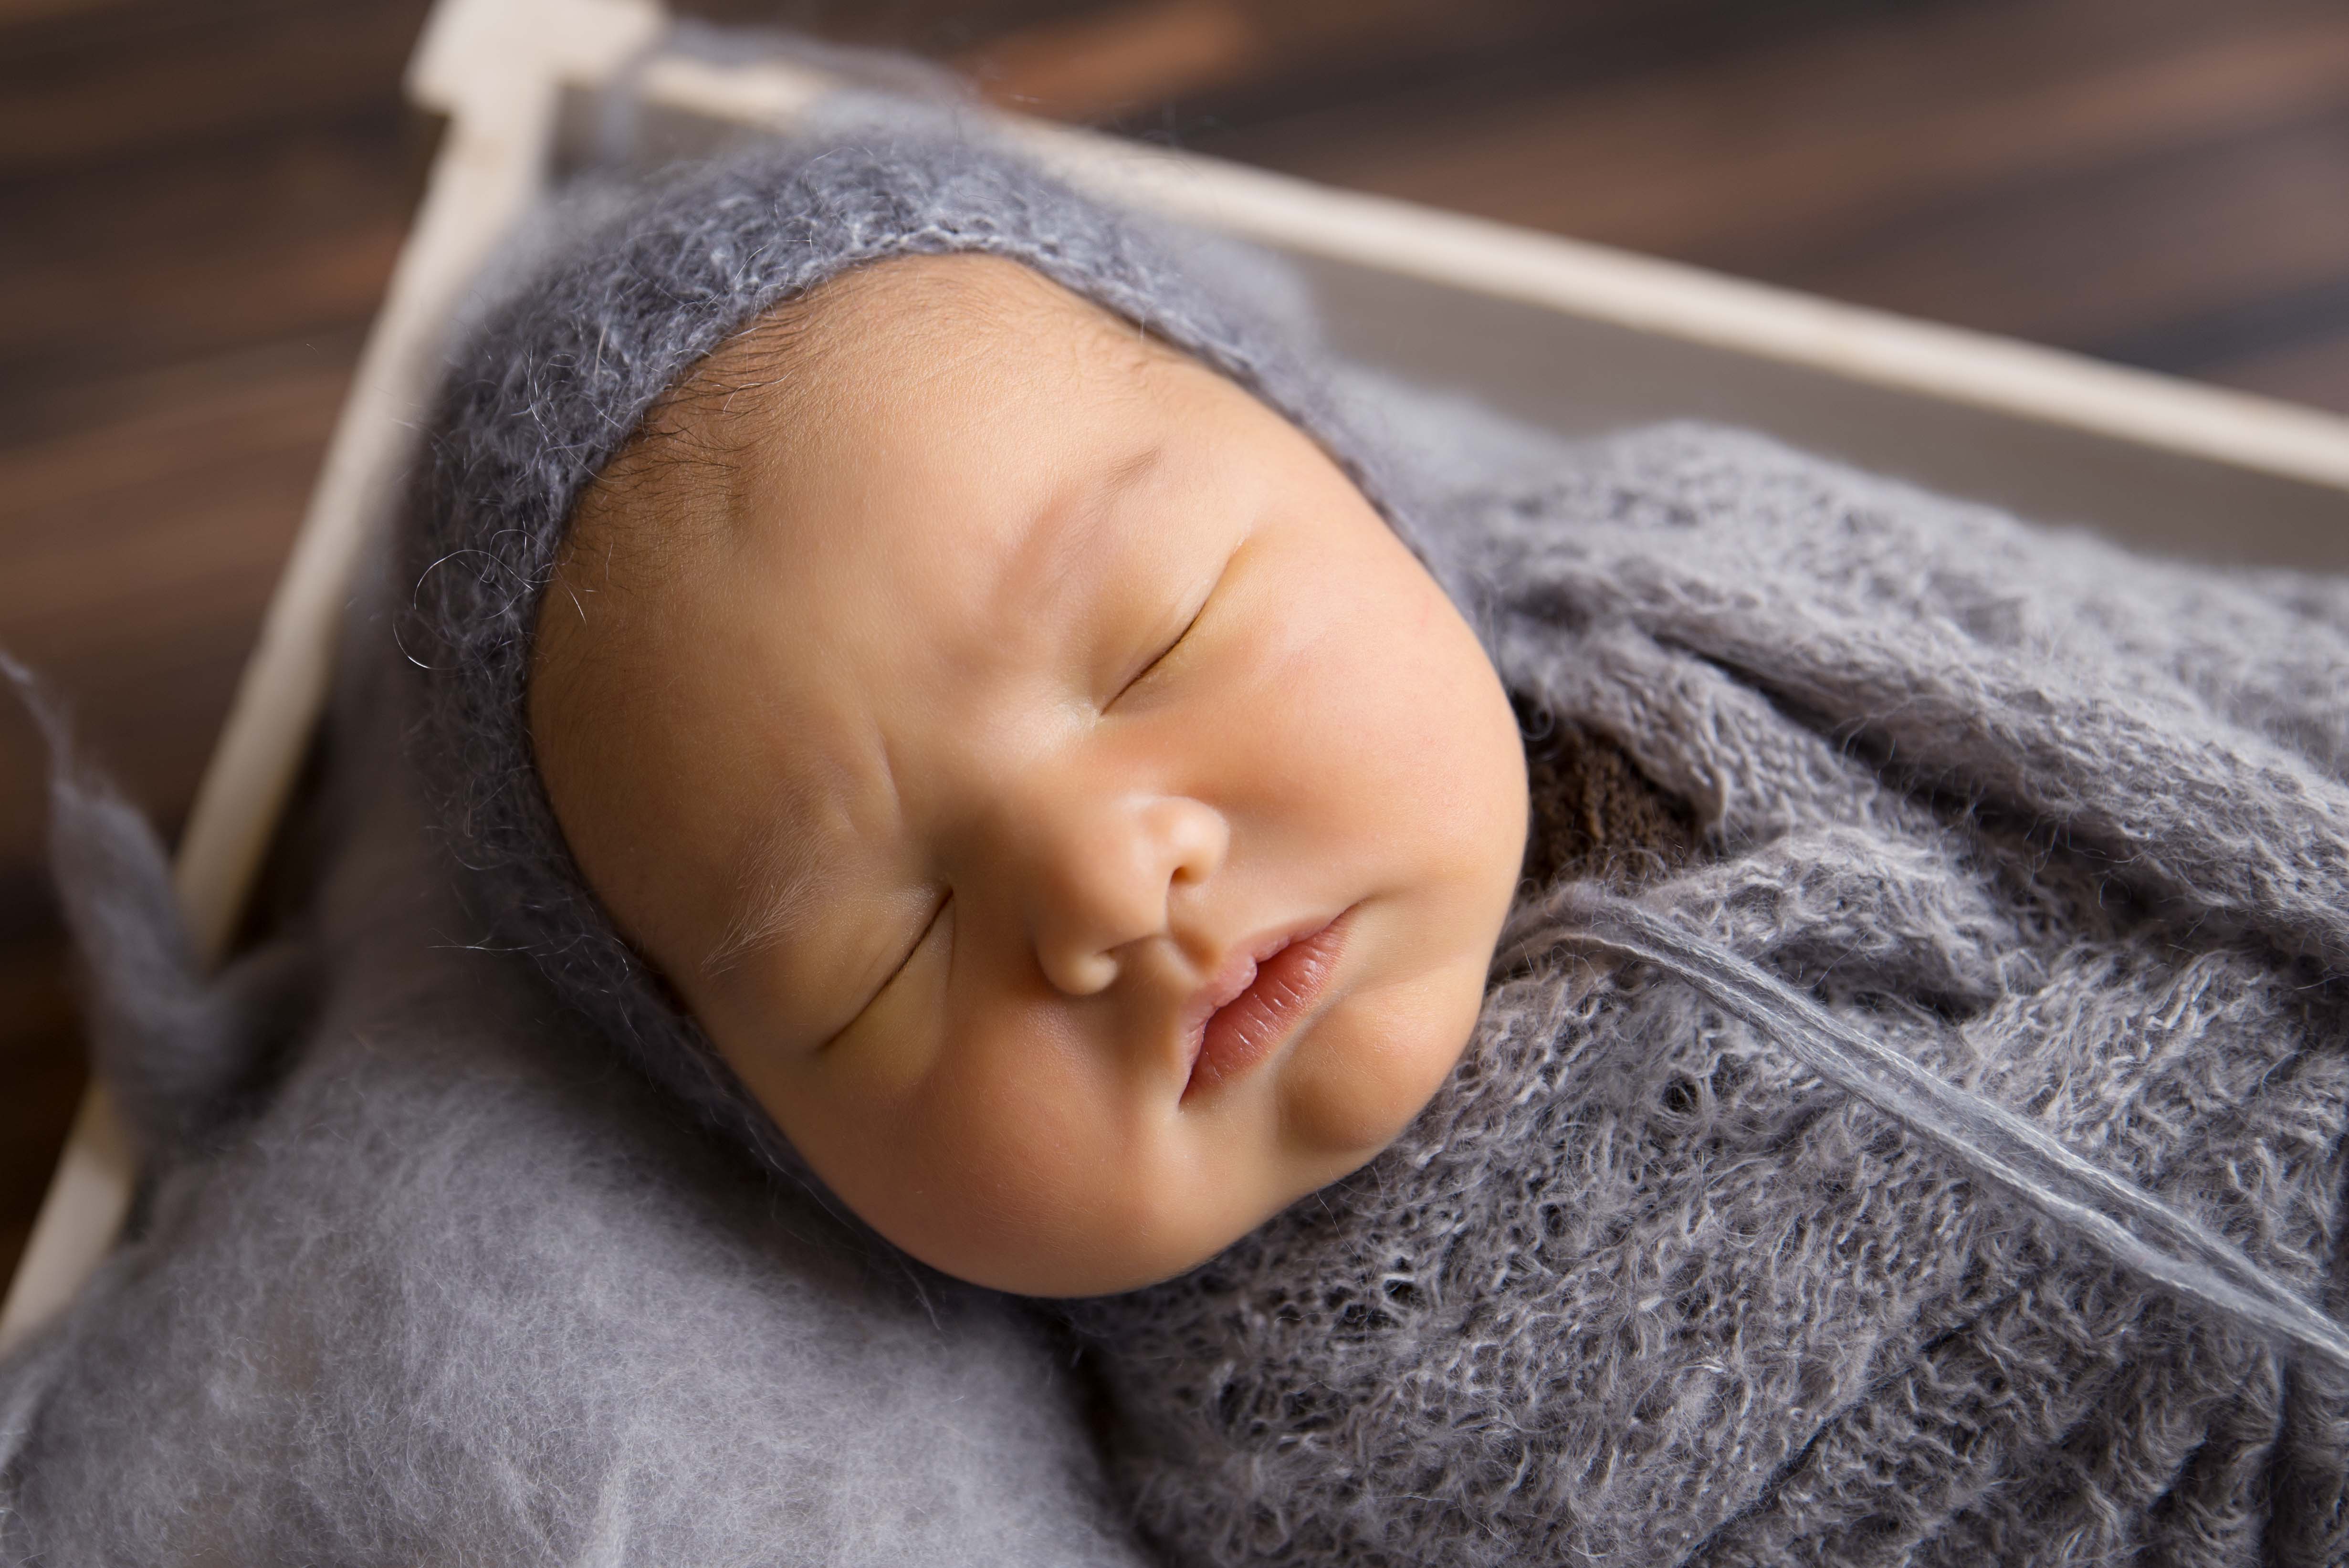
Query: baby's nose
x=1107, y=877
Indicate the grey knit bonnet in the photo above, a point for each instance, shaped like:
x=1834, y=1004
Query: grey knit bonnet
x=551, y=383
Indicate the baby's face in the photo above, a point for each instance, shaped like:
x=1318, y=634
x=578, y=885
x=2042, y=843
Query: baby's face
x=1055, y=792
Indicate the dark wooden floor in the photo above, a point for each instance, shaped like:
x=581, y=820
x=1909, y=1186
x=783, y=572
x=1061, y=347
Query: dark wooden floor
x=201, y=199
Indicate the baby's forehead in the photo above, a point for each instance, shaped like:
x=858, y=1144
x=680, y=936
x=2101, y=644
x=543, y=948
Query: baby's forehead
x=740, y=415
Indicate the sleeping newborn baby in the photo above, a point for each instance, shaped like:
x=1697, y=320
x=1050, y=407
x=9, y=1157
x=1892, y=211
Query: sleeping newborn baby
x=1061, y=800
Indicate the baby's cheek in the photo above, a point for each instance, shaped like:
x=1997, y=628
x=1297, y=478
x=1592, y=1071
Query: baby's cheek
x=1022, y=1159
x=1046, y=1104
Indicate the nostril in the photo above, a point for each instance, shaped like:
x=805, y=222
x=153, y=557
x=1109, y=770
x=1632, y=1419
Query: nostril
x=1083, y=974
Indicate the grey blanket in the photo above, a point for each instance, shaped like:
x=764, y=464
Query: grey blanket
x=2062, y=826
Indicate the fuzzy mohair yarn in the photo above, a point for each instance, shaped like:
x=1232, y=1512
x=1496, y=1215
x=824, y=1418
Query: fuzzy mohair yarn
x=550, y=383
x=2064, y=827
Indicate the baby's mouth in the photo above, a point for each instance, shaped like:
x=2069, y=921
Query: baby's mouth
x=1264, y=1003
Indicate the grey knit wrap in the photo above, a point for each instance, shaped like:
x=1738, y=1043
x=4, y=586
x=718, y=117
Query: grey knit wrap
x=2065, y=827
x=549, y=386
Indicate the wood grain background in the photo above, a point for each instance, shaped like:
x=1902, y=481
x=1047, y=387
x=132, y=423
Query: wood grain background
x=200, y=201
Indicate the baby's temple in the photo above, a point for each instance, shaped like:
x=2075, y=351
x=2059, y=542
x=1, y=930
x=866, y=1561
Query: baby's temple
x=970, y=900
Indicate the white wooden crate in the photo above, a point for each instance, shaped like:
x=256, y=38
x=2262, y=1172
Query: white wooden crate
x=1573, y=336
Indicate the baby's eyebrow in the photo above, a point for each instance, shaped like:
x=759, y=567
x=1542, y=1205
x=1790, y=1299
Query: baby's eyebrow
x=1058, y=540
x=1125, y=474
x=782, y=877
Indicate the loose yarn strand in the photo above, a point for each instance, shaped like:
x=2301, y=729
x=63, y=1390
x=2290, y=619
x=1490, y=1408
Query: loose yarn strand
x=2175, y=1250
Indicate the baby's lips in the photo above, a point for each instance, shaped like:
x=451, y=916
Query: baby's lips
x=1281, y=977
x=1232, y=977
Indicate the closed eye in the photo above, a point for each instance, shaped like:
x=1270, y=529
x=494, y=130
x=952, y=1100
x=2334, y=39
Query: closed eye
x=882, y=989
x=1164, y=654
x=1180, y=637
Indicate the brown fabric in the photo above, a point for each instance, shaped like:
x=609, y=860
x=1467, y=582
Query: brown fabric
x=1595, y=814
